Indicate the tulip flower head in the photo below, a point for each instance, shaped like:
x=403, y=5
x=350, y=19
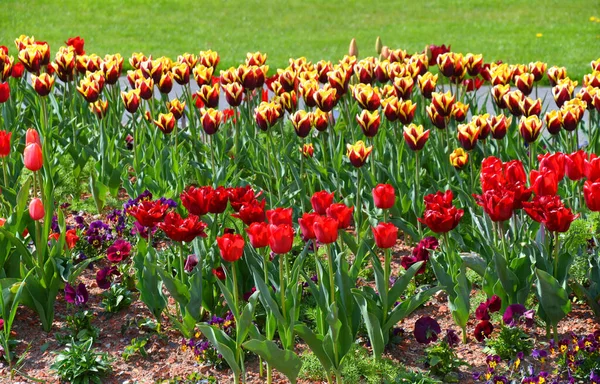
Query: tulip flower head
x=530, y=128
x=459, y=158
x=5, y=143
x=36, y=209
x=4, y=92
x=182, y=230
x=231, y=247
x=258, y=234
x=326, y=230
x=33, y=157
x=385, y=235
x=384, y=196
x=342, y=213
x=441, y=215
x=358, y=153
x=166, y=122
x=281, y=238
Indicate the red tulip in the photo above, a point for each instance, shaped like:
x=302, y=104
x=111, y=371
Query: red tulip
x=326, y=230
x=148, y=213
x=258, y=233
x=384, y=196
x=320, y=201
x=17, y=70
x=32, y=136
x=5, y=143
x=281, y=238
x=217, y=200
x=280, y=216
x=231, y=247
x=544, y=182
x=385, y=235
x=33, y=158
x=575, y=165
x=4, y=92
x=440, y=215
x=498, y=204
x=554, y=162
x=306, y=223
x=242, y=195
x=591, y=168
x=591, y=194
x=253, y=212
x=77, y=43
x=550, y=211
x=515, y=172
x=179, y=229
x=195, y=200
x=342, y=213
x=36, y=209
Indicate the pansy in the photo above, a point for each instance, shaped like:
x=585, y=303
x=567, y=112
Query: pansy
x=426, y=330
x=78, y=296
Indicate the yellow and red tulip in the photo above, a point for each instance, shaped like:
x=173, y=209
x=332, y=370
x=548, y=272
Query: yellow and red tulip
x=210, y=58
x=555, y=74
x=397, y=70
x=537, y=69
x=252, y=76
x=211, y=120
x=501, y=75
x=321, y=120
x=42, y=83
x=474, y=63
x=266, y=115
x=308, y=150
x=391, y=108
x=498, y=93
x=288, y=79
x=358, y=153
x=530, y=107
x=397, y=55
x=23, y=41
x=459, y=158
x=203, y=75
x=592, y=79
x=326, y=98
x=338, y=79
x=530, y=128
x=99, y=108
x=415, y=136
x=406, y=111
x=517, y=70
x=366, y=96
x=234, y=94
x=381, y=71
x=459, y=111
x=131, y=99
x=307, y=90
x=482, y=122
x=571, y=114
x=513, y=102
x=499, y=126
x=31, y=58
x=563, y=90
x=442, y=102
x=146, y=88
x=323, y=68
x=387, y=91
x=427, y=83
x=553, y=121
x=524, y=82
x=403, y=87
x=165, y=84
x=369, y=122
x=256, y=58
x=181, y=73
x=445, y=63
x=166, y=122
x=176, y=107
x=189, y=59
x=587, y=94
x=89, y=89
x=468, y=135
x=209, y=95
x=152, y=69
x=64, y=65
x=365, y=71
x=302, y=122
x=111, y=70
x=137, y=58
x=436, y=119
x=289, y=101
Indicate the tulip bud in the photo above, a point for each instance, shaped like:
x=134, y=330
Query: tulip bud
x=307, y=150
x=32, y=157
x=32, y=136
x=459, y=158
x=378, y=45
x=385, y=52
x=5, y=143
x=353, y=49
x=36, y=209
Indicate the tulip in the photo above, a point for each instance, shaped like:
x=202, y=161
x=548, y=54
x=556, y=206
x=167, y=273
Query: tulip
x=326, y=230
x=306, y=223
x=498, y=94
x=302, y=122
x=280, y=216
x=211, y=120
x=217, y=200
x=17, y=70
x=326, y=98
x=427, y=84
x=550, y=211
x=320, y=120
x=42, y=83
x=554, y=162
x=165, y=83
x=459, y=158
x=209, y=58
x=36, y=209
x=258, y=234
x=358, y=153
x=403, y=87
x=176, y=107
x=4, y=92
x=131, y=99
x=234, y=94
x=307, y=150
x=342, y=213
x=537, y=69
x=442, y=103
x=498, y=204
x=530, y=107
x=33, y=157
x=99, y=108
x=474, y=63
x=591, y=168
x=5, y=143
x=364, y=70
x=512, y=100
x=367, y=97
x=209, y=95
x=266, y=115
x=281, y=238
x=440, y=215
x=384, y=196
x=553, y=122
x=555, y=74
x=587, y=95
x=149, y=213
x=338, y=79
x=501, y=75
x=482, y=122
x=145, y=86
x=591, y=194
x=369, y=122
x=256, y=58
x=459, y=111
x=253, y=76
x=575, y=165
x=111, y=71
x=31, y=58
x=499, y=125
x=524, y=82
x=251, y=212
x=544, y=182
x=183, y=230
x=570, y=116
x=530, y=128
x=385, y=235
x=320, y=201
x=436, y=119
x=165, y=122
x=231, y=247
x=563, y=91
x=468, y=135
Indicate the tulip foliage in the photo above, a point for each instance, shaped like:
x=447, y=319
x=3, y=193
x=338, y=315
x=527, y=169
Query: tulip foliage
x=241, y=207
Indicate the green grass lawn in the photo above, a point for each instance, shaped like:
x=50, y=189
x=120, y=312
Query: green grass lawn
x=317, y=29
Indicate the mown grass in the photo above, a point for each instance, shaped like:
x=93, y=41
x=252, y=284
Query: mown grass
x=501, y=30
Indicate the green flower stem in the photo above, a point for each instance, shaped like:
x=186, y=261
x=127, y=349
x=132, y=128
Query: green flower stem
x=555, y=255
x=417, y=192
x=239, y=352
x=282, y=286
x=358, y=210
x=4, y=171
x=212, y=160
x=331, y=276
x=386, y=279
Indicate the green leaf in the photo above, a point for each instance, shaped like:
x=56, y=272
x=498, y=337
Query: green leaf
x=402, y=282
x=286, y=362
x=315, y=343
x=222, y=343
x=372, y=323
x=553, y=297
